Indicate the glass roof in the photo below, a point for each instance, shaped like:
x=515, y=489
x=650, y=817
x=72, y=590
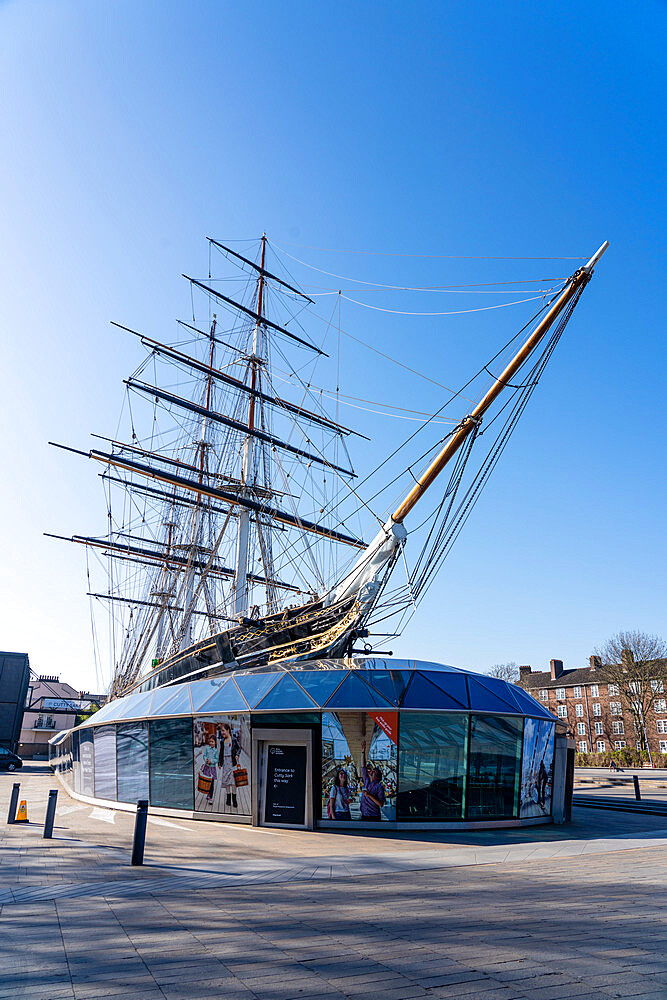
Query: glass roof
x=357, y=683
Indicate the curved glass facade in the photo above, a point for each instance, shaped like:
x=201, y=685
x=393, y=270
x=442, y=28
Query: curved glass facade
x=393, y=741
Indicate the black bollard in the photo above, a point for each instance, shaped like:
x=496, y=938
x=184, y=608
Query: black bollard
x=50, y=814
x=140, y=832
x=638, y=794
x=13, y=802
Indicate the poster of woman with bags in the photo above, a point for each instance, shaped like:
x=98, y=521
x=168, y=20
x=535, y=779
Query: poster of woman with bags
x=222, y=765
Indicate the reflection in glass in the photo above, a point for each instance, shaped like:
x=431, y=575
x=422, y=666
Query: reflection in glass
x=537, y=768
x=132, y=750
x=105, y=762
x=495, y=766
x=432, y=765
x=171, y=763
x=359, y=759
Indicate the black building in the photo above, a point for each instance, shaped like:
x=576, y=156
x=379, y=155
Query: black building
x=14, y=677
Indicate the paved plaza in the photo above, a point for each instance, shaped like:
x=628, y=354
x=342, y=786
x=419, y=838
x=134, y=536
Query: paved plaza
x=234, y=912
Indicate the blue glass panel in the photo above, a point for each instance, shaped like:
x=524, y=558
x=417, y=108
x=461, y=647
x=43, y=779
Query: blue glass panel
x=201, y=691
x=254, y=686
x=160, y=697
x=105, y=762
x=488, y=697
x=132, y=750
x=178, y=704
x=227, y=698
x=530, y=706
x=353, y=693
x=136, y=705
x=494, y=767
x=286, y=694
x=171, y=761
x=422, y=693
x=320, y=684
x=111, y=711
x=453, y=684
x=390, y=683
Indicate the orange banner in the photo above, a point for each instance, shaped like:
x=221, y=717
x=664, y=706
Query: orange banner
x=388, y=723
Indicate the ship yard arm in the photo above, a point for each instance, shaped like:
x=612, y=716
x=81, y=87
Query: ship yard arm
x=366, y=577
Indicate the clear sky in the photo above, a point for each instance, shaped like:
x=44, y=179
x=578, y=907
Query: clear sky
x=132, y=130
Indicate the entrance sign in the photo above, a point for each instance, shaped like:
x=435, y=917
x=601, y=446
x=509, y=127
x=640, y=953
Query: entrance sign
x=285, y=800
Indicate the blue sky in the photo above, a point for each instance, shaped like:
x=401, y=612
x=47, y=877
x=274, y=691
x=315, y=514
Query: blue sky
x=132, y=130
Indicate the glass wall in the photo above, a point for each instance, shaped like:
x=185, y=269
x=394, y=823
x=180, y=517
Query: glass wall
x=132, y=749
x=222, y=764
x=171, y=775
x=432, y=765
x=105, y=762
x=495, y=766
x=359, y=751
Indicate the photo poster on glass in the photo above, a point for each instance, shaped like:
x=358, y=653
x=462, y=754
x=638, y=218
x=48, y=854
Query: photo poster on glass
x=537, y=768
x=352, y=790
x=222, y=764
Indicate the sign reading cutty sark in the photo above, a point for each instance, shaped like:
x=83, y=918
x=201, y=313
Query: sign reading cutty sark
x=285, y=800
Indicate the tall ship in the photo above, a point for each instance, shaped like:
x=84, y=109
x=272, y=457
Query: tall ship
x=237, y=527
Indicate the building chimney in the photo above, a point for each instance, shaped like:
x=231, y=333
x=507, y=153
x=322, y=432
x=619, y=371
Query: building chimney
x=524, y=670
x=595, y=662
x=556, y=669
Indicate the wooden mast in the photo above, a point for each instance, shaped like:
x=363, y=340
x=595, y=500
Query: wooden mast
x=578, y=280
x=242, y=538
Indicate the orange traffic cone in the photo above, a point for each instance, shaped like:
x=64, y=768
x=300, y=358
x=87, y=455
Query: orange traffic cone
x=22, y=815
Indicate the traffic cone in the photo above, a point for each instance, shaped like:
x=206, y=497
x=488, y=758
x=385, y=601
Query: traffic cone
x=22, y=815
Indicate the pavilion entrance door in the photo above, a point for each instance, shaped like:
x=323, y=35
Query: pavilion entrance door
x=282, y=762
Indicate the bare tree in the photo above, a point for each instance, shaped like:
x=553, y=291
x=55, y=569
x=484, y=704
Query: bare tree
x=636, y=663
x=505, y=671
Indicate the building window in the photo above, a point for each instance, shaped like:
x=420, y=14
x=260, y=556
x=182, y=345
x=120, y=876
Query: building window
x=613, y=689
x=544, y=694
x=581, y=728
x=579, y=710
x=662, y=725
x=619, y=744
x=615, y=708
x=663, y=746
x=597, y=708
x=599, y=729
x=600, y=746
x=577, y=692
x=660, y=705
x=639, y=744
x=40, y=722
x=595, y=691
x=562, y=711
x=657, y=687
x=583, y=746
x=618, y=728
x=560, y=694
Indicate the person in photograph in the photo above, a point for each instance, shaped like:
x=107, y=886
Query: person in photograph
x=542, y=780
x=372, y=791
x=208, y=765
x=228, y=759
x=338, y=805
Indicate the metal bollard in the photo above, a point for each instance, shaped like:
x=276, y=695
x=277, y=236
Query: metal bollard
x=139, y=832
x=50, y=814
x=638, y=794
x=13, y=802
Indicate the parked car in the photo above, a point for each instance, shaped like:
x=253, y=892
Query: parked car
x=9, y=761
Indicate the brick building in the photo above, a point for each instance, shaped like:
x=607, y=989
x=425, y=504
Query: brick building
x=597, y=717
x=51, y=706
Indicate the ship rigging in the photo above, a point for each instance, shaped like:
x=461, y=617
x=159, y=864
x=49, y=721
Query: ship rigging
x=235, y=518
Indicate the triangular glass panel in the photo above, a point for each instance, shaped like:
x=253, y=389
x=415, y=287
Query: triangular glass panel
x=320, y=684
x=161, y=696
x=286, y=694
x=530, y=706
x=453, y=684
x=390, y=683
x=227, y=698
x=253, y=687
x=201, y=691
x=485, y=696
x=178, y=704
x=423, y=694
x=353, y=693
x=138, y=705
x=113, y=710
